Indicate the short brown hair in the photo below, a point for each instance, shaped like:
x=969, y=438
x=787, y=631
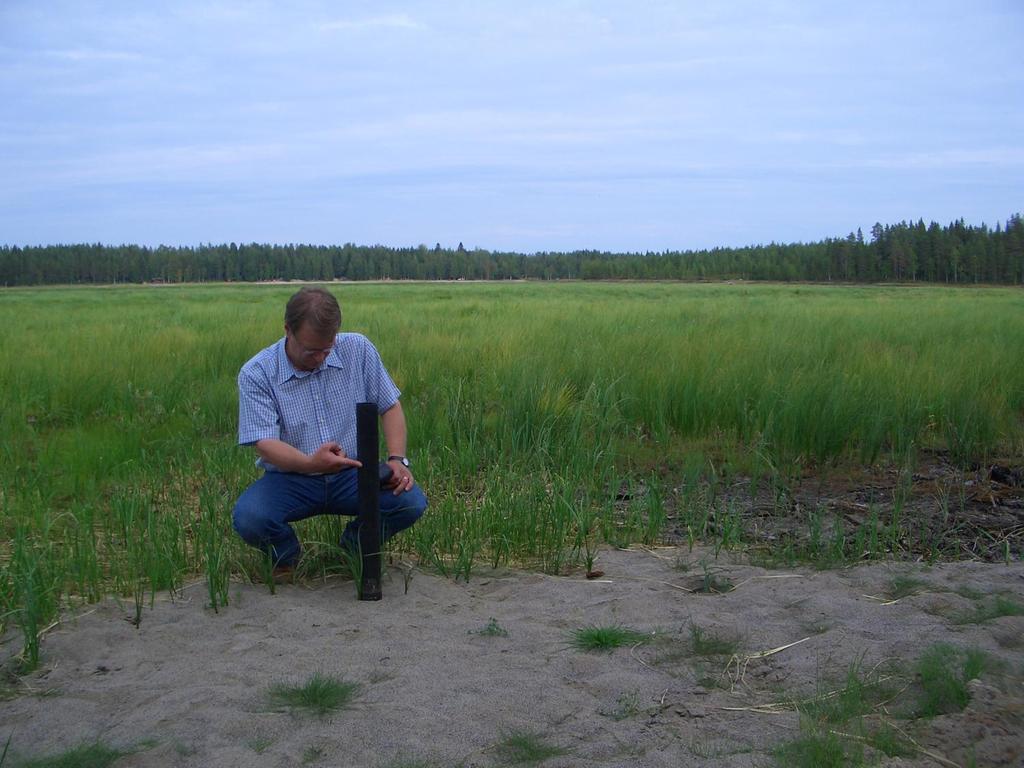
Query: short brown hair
x=315, y=307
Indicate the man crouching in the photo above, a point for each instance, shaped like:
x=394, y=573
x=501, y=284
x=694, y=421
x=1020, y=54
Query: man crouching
x=297, y=406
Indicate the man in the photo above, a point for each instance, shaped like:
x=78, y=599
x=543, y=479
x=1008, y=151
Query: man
x=297, y=406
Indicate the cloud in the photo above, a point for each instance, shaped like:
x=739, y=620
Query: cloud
x=840, y=137
x=954, y=158
x=500, y=127
x=92, y=54
x=388, y=21
x=159, y=164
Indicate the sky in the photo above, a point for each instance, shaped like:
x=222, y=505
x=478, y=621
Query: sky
x=524, y=126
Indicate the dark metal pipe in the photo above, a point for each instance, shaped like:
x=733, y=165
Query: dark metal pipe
x=368, y=447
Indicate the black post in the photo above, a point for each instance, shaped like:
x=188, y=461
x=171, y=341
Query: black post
x=369, y=499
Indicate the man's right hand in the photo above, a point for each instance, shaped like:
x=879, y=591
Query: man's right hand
x=330, y=458
x=327, y=459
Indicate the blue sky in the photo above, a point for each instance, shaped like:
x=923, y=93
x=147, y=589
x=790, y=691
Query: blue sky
x=523, y=126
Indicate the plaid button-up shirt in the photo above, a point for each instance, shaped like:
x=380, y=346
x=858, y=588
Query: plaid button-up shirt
x=309, y=408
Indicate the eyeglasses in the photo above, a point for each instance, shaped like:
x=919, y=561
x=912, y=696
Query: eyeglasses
x=311, y=351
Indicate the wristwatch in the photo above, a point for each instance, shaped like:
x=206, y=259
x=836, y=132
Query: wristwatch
x=404, y=461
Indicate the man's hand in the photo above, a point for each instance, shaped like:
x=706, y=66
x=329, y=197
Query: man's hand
x=401, y=478
x=327, y=459
x=330, y=458
x=392, y=422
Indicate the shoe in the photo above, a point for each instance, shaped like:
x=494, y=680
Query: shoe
x=283, y=573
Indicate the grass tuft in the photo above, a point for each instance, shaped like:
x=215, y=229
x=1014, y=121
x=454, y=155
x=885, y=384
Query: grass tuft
x=890, y=742
x=260, y=744
x=837, y=724
x=626, y=705
x=818, y=750
x=83, y=756
x=857, y=696
x=524, y=748
x=606, y=638
x=904, y=586
x=312, y=754
x=320, y=695
x=711, y=644
x=712, y=584
x=491, y=629
x=1000, y=606
x=402, y=762
x=943, y=673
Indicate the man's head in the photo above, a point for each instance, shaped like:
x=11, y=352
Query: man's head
x=311, y=320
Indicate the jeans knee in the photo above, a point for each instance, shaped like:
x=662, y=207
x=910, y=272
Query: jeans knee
x=417, y=502
x=400, y=512
x=246, y=522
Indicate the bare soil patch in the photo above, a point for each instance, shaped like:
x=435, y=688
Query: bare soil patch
x=439, y=685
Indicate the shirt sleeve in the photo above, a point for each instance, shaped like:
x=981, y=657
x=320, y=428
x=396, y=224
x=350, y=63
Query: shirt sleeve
x=258, y=415
x=380, y=389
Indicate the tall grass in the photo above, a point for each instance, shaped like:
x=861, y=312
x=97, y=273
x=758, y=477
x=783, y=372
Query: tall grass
x=543, y=418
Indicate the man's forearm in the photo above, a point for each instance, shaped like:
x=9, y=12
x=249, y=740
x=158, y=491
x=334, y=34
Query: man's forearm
x=283, y=456
x=392, y=423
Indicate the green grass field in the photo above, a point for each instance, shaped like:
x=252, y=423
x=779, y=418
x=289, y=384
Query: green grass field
x=530, y=407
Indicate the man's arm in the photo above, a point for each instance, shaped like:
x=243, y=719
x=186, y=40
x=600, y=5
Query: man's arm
x=329, y=457
x=392, y=423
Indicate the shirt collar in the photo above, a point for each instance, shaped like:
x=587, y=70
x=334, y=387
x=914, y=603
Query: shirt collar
x=287, y=371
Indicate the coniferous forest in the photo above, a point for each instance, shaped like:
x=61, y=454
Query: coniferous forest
x=905, y=252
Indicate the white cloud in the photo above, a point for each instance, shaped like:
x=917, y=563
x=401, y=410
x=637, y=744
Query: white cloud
x=839, y=137
x=92, y=54
x=388, y=21
x=954, y=158
x=160, y=164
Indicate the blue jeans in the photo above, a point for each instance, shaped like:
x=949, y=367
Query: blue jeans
x=264, y=511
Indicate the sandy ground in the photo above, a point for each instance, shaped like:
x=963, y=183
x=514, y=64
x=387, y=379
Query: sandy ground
x=188, y=687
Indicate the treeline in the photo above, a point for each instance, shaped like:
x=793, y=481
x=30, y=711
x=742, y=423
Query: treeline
x=904, y=252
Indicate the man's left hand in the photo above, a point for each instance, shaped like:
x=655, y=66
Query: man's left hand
x=401, y=479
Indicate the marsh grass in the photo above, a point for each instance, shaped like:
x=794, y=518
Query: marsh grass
x=714, y=749
x=125, y=484
x=413, y=762
x=890, y=742
x=627, y=705
x=969, y=593
x=491, y=629
x=95, y=755
x=818, y=749
x=320, y=695
x=841, y=724
x=312, y=754
x=709, y=644
x=260, y=744
x=34, y=595
x=995, y=608
x=352, y=564
x=824, y=542
x=856, y=695
x=606, y=638
x=904, y=586
x=711, y=583
x=526, y=748
x=213, y=545
x=943, y=672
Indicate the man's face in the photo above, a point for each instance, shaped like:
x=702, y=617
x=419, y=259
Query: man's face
x=306, y=348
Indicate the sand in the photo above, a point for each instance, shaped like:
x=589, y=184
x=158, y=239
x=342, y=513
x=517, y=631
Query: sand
x=188, y=687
